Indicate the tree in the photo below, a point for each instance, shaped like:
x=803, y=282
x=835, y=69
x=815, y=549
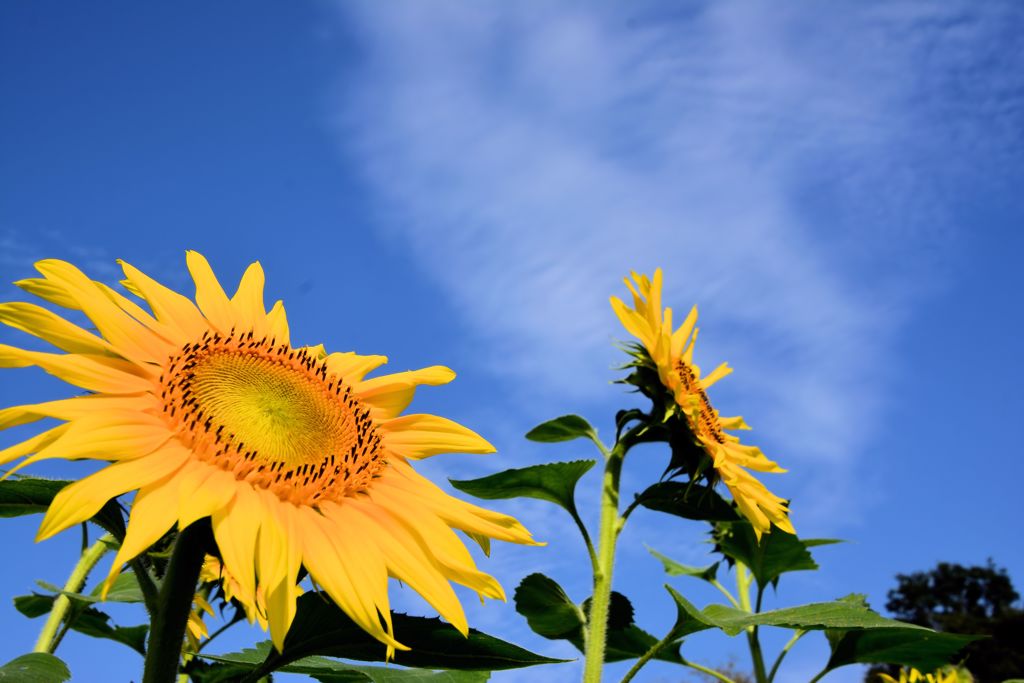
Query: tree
x=977, y=600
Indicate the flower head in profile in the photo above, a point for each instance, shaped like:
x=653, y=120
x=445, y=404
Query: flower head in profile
x=671, y=353
x=207, y=410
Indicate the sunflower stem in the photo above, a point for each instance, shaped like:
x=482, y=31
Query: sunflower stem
x=167, y=632
x=47, y=640
x=611, y=523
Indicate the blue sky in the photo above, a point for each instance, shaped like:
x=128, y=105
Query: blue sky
x=466, y=184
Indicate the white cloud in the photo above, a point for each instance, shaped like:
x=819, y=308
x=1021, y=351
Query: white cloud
x=778, y=162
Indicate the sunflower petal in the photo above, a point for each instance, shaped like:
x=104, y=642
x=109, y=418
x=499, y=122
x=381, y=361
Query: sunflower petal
x=169, y=307
x=95, y=373
x=210, y=296
x=82, y=499
x=49, y=326
x=352, y=367
x=389, y=395
x=420, y=436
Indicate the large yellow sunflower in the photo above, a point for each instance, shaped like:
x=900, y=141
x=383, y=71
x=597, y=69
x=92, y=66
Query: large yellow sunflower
x=295, y=456
x=672, y=353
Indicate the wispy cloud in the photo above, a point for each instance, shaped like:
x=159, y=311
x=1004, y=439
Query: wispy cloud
x=791, y=169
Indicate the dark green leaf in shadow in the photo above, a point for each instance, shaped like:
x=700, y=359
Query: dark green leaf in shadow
x=37, y=667
x=554, y=482
x=920, y=648
x=564, y=428
x=321, y=628
x=690, y=501
x=31, y=495
x=548, y=610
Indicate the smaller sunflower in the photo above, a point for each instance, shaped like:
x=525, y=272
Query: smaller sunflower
x=949, y=674
x=672, y=354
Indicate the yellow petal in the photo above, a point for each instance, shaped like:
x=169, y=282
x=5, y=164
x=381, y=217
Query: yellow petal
x=49, y=326
x=680, y=336
x=68, y=409
x=204, y=490
x=236, y=529
x=715, y=375
x=248, y=301
x=352, y=367
x=210, y=296
x=170, y=308
x=32, y=445
x=277, y=562
x=420, y=436
x=132, y=339
x=389, y=395
x=82, y=499
x=277, y=324
x=48, y=291
x=95, y=373
x=152, y=516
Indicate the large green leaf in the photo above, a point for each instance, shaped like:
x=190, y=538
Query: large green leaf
x=31, y=495
x=548, y=610
x=845, y=613
x=86, y=620
x=327, y=670
x=775, y=554
x=321, y=628
x=690, y=501
x=37, y=667
x=554, y=482
x=673, y=568
x=564, y=428
x=551, y=613
x=920, y=648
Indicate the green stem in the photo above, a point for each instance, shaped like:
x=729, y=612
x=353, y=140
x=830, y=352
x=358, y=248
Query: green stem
x=586, y=538
x=755, y=644
x=610, y=524
x=710, y=672
x=778, y=660
x=820, y=675
x=725, y=592
x=167, y=632
x=150, y=593
x=47, y=641
x=648, y=656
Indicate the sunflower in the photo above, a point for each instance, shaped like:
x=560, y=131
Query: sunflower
x=672, y=354
x=949, y=674
x=206, y=410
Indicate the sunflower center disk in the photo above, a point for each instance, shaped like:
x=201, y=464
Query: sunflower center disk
x=706, y=424
x=273, y=416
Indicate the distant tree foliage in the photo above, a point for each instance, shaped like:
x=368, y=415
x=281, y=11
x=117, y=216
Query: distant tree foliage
x=974, y=600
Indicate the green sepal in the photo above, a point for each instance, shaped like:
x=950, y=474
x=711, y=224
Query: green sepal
x=85, y=620
x=564, y=428
x=775, y=554
x=554, y=482
x=36, y=667
x=31, y=495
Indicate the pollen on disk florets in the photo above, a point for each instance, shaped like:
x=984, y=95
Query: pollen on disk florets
x=272, y=415
x=705, y=422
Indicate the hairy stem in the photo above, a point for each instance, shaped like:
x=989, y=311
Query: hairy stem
x=597, y=626
x=47, y=640
x=648, y=656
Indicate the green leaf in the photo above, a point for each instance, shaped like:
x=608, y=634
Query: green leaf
x=31, y=495
x=920, y=648
x=690, y=501
x=565, y=428
x=321, y=628
x=775, y=554
x=551, y=613
x=554, y=482
x=125, y=589
x=673, y=568
x=329, y=670
x=86, y=620
x=845, y=613
x=37, y=667
x=548, y=610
